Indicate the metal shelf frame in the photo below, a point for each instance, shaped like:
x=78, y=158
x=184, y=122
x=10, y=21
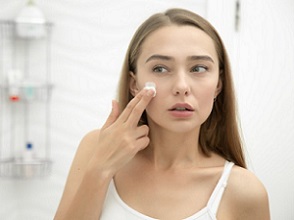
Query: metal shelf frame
x=25, y=103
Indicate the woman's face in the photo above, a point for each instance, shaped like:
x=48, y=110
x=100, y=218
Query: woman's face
x=182, y=62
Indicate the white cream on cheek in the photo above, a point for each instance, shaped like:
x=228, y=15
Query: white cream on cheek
x=151, y=86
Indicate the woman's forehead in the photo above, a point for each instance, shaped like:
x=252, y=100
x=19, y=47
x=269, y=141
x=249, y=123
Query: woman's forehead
x=178, y=41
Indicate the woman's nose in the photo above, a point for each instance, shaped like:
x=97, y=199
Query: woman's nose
x=181, y=85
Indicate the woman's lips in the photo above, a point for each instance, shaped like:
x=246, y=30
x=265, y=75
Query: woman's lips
x=181, y=107
x=181, y=110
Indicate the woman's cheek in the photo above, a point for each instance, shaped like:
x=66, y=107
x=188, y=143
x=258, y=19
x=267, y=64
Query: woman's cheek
x=207, y=100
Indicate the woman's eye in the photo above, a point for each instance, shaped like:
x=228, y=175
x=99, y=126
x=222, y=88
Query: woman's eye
x=159, y=69
x=199, y=69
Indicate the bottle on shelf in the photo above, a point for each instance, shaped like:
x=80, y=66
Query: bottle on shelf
x=28, y=161
x=30, y=22
x=14, y=78
x=28, y=154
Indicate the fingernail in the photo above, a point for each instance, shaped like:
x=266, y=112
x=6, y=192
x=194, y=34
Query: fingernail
x=151, y=92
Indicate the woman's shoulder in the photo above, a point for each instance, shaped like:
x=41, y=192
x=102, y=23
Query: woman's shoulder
x=246, y=183
x=85, y=150
x=247, y=194
x=243, y=181
x=87, y=146
x=90, y=136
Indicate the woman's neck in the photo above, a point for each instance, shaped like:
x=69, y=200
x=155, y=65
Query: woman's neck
x=170, y=150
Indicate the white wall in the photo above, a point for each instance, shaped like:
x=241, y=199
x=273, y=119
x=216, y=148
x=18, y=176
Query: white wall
x=89, y=41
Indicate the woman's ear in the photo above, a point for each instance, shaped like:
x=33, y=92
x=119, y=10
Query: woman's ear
x=219, y=86
x=133, y=84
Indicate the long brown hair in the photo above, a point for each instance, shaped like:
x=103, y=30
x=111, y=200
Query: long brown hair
x=220, y=132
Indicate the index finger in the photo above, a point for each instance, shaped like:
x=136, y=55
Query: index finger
x=136, y=107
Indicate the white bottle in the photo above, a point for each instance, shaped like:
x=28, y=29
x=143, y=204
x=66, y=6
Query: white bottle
x=28, y=154
x=28, y=161
x=13, y=80
x=30, y=23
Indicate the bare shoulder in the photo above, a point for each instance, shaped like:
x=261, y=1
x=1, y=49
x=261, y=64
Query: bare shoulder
x=247, y=195
x=90, y=138
x=83, y=154
x=85, y=150
x=246, y=184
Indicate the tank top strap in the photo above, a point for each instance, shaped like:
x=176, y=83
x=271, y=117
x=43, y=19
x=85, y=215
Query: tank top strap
x=217, y=194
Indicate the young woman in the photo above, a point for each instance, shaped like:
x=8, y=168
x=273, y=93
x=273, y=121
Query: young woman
x=176, y=155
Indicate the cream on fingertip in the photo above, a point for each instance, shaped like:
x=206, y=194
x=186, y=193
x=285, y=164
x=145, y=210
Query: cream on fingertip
x=151, y=86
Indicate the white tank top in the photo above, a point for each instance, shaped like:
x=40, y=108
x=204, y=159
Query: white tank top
x=116, y=209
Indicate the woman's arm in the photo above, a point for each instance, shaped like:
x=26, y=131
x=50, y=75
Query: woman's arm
x=85, y=190
x=100, y=155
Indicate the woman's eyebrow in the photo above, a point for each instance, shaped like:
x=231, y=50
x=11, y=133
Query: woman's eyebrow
x=159, y=57
x=167, y=58
x=201, y=57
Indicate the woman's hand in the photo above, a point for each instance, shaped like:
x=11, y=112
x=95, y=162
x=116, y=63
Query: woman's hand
x=121, y=138
x=100, y=155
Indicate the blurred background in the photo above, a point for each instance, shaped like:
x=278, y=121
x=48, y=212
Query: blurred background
x=82, y=56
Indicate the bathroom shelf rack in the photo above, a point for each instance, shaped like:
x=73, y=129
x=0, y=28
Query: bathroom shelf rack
x=25, y=94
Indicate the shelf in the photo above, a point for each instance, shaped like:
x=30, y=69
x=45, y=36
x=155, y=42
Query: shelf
x=27, y=92
x=27, y=30
x=17, y=168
